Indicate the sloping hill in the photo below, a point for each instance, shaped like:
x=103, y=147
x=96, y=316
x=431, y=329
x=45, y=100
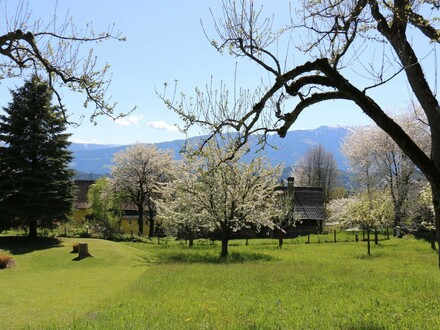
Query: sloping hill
x=46, y=285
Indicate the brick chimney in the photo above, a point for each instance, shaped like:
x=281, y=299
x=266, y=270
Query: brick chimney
x=290, y=184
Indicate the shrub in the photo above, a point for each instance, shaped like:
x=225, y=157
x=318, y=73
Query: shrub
x=5, y=260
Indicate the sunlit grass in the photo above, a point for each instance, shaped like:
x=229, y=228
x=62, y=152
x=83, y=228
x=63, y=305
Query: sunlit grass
x=325, y=286
x=46, y=285
x=171, y=286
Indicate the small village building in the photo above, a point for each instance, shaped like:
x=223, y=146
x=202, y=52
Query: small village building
x=81, y=205
x=129, y=221
x=309, y=209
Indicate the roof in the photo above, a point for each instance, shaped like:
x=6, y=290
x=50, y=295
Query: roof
x=308, y=202
x=82, y=188
x=81, y=202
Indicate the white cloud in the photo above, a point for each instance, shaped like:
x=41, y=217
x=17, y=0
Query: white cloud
x=129, y=120
x=162, y=126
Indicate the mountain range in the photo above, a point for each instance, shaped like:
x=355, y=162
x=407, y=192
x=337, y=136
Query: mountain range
x=96, y=159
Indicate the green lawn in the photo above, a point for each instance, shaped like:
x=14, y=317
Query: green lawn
x=47, y=286
x=168, y=286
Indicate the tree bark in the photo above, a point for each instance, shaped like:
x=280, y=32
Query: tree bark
x=83, y=250
x=436, y=202
x=151, y=223
x=33, y=228
x=150, y=217
x=225, y=241
x=140, y=221
x=280, y=238
x=368, y=242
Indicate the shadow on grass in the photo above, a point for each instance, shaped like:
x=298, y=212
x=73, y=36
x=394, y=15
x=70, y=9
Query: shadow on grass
x=210, y=258
x=22, y=245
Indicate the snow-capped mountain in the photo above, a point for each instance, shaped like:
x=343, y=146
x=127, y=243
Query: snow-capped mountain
x=97, y=159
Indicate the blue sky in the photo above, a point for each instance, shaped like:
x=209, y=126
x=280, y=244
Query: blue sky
x=165, y=42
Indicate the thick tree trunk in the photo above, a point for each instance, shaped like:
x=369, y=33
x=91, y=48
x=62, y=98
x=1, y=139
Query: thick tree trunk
x=32, y=228
x=397, y=215
x=151, y=222
x=436, y=203
x=150, y=217
x=141, y=221
x=83, y=250
x=435, y=184
x=280, y=239
x=225, y=241
x=368, y=242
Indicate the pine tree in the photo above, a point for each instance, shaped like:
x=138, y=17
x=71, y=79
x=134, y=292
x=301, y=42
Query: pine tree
x=35, y=181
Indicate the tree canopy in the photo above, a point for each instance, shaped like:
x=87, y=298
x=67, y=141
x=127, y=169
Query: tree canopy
x=317, y=168
x=385, y=165
x=139, y=172
x=220, y=195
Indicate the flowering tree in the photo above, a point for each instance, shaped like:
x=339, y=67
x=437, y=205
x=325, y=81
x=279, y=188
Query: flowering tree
x=368, y=211
x=139, y=173
x=338, y=210
x=385, y=165
x=326, y=59
x=179, y=213
x=221, y=194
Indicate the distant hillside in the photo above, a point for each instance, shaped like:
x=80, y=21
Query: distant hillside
x=90, y=146
x=97, y=159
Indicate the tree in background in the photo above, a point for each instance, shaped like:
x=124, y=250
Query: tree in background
x=360, y=159
x=224, y=195
x=55, y=50
x=107, y=207
x=139, y=173
x=317, y=168
x=331, y=64
x=424, y=213
x=378, y=162
x=36, y=185
x=368, y=211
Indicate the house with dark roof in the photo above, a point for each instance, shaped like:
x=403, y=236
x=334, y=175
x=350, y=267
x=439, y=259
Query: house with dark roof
x=309, y=209
x=81, y=204
x=81, y=210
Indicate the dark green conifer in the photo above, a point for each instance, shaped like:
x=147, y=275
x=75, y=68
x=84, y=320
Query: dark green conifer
x=35, y=180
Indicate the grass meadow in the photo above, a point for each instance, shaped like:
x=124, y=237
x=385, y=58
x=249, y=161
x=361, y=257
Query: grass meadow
x=169, y=286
